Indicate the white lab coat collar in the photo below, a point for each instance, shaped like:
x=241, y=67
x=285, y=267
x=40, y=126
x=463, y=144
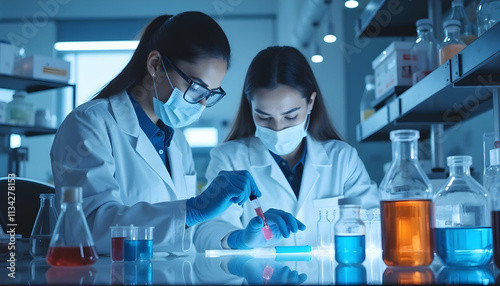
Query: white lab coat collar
x=316, y=160
x=126, y=118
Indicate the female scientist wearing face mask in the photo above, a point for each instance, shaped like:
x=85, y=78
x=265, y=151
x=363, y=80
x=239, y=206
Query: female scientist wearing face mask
x=283, y=136
x=121, y=147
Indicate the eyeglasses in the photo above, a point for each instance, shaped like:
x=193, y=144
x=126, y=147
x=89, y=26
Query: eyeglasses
x=197, y=92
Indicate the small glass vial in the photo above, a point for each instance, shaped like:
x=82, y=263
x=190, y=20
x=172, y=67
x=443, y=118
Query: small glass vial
x=405, y=205
x=349, y=233
x=268, y=234
x=44, y=226
x=324, y=230
x=462, y=225
x=488, y=14
x=375, y=228
x=71, y=243
x=491, y=149
x=452, y=43
x=19, y=111
x=366, y=105
x=467, y=30
x=424, y=53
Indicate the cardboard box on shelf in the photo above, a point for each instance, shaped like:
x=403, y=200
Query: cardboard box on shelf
x=7, y=54
x=392, y=67
x=42, y=67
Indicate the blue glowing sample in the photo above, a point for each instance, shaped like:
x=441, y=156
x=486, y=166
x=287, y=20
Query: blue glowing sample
x=144, y=249
x=349, y=248
x=130, y=250
x=464, y=246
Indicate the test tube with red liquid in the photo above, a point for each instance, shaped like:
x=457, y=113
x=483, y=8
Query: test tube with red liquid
x=268, y=234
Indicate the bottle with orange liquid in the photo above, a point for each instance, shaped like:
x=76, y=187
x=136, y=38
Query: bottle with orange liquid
x=452, y=43
x=71, y=243
x=405, y=205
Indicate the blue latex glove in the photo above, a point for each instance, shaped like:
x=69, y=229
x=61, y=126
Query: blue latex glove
x=280, y=222
x=229, y=187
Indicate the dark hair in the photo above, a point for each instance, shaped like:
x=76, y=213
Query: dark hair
x=187, y=36
x=282, y=65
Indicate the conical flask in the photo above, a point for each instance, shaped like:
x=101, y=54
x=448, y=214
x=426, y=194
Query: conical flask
x=71, y=243
x=405, y=204
x=44, y=226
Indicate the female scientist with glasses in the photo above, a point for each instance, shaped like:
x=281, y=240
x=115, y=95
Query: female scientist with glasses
x=121, y=146
x=283, y=136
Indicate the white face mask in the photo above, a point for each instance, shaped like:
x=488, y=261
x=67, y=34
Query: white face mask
x=176, y=112
x=282, y=142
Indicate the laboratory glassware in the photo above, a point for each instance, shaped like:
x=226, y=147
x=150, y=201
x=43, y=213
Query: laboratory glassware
x=144, y=236
x=467, y=29
x=375, y=228
x=452, y=43
x=462, y=225
x=44, y=226
x=19, y=111
x=349, y=233
x=268, y=234
x=491, y=152
x=324, y=228
x=424, y=52
x=71, y=243
x=366, y=105
x=118, y=234
x=405, y=205
x=488, y=14
x=494, y=192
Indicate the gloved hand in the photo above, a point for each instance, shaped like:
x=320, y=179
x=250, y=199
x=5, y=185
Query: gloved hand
x=229, y=187
x=280, y=222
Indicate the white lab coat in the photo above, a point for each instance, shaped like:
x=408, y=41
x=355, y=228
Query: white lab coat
x=101, y=147
x=332, y=170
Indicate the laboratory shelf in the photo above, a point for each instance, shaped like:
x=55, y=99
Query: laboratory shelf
x=456, y=91
x=25, y=130
x=394, y=18
x=29, y=84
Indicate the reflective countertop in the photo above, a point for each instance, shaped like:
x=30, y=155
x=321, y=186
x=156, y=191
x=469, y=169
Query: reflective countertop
x=196, y=268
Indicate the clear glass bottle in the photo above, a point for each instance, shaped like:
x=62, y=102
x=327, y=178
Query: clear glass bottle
x=452, y=43
x=462, y=225
x=366, y=105
x=467, y=30
x=71, y=243
x=324, y=230
x=19, y=111
x=349, y=233
x=494, y=192
x=488, y=14
x=491, y=149
x=375, y=228
x=424, y=53
x=44, y=226
x=405, y=205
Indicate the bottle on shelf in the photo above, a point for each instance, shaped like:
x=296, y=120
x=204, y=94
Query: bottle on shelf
x=452, y=43
x=488, y=14
x=349, y=233
x=491, y=149
x=324, y=230
x=366, y=106
x=44, y=226
x=71, y=243
x=405, y=205
x=462, y=224
x=19, y=111
x=467, y=29
x=424, y=53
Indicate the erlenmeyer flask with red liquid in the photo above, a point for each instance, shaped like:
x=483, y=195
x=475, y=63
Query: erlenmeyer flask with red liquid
x=71, y=243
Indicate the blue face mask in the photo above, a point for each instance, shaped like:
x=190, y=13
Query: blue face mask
x=176, y=112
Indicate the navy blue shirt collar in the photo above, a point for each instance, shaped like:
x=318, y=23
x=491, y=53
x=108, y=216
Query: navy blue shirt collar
x=282, y=161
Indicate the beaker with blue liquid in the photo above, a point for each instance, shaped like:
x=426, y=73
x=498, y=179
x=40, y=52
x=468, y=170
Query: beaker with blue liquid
x=462, y=219
x=349, y=233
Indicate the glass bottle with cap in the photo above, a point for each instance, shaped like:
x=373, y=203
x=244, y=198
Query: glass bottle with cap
x=405, y=205
x=424, y=53
x=452, y=43
x=462, y=224
x=491, y=149
x=349, y=233
x=366, y=105
x=488, y=14
x=44, y=226
x=467, y=30
x=71, y=243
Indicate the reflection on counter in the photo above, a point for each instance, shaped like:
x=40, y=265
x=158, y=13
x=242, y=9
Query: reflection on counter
x=350, y=274
x=408, y=276
x=465, y=275
x=138, y=272
x=85, y=275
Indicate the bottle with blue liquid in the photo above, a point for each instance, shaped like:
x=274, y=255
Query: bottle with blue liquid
x=462, y=220
x=349, y=233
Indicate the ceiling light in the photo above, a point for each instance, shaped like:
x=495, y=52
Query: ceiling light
x=96, y=46
x=351, y=4
x=316, y=57
x=330, y=33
